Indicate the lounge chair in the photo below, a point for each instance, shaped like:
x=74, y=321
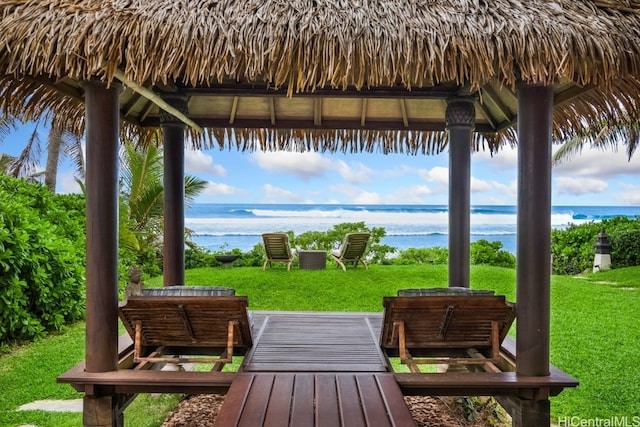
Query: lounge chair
x=277, y=249
x=463, y=328
x=197, y=326
x=352, y=249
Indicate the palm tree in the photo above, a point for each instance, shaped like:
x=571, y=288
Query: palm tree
x=141, y=182
x=25, y=165
x=69, y=144
x=606, y=138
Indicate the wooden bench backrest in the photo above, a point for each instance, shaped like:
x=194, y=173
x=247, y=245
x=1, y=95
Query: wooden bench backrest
x=445, y=322
x=187, y=321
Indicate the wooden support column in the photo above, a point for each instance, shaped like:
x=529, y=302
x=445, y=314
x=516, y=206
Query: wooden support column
x=535, y=115
x=460, y=121
x=173, y=140
x=102, y=136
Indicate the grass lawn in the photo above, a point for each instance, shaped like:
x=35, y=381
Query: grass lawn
x=594, y=334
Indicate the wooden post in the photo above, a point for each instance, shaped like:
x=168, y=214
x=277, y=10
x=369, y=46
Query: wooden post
x=535, y=114
x=102, y=136
x=173, y=141
x=460, y=120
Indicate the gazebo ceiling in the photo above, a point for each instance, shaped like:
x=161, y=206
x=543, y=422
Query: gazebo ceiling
x=302, y=74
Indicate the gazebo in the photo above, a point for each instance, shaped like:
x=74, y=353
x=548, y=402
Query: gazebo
x=415, y=77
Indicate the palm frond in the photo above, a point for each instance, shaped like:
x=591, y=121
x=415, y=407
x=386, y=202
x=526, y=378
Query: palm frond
x=26, y=164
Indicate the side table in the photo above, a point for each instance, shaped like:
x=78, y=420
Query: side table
x=312, y=260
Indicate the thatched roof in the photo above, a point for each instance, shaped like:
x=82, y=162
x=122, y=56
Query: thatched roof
x=378, y=70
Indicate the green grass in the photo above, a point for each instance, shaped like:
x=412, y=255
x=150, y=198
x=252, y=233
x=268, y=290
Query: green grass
x=594, y=334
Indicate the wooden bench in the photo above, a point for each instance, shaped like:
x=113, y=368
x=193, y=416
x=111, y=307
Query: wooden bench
x=166, y=326
x=451, y=329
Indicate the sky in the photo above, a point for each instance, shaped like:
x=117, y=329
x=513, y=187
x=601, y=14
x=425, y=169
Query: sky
x=594, y=177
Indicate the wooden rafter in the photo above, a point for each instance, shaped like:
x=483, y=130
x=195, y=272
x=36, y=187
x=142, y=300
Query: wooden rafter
x=157, y=100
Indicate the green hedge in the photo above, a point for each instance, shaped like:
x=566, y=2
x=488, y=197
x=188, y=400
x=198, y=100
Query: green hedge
x=42, y=243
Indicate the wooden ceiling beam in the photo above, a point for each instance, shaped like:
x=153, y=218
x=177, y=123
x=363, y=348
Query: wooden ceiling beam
x=272, y=110
x=61, y=86
x=234, y=110
x=384, y=92
x=363, y=112
x=317, y=111
x=486, y=113
x=157, y=100
x=493, y=97
x=127, y=109
x=571, y=93
x=403, y=111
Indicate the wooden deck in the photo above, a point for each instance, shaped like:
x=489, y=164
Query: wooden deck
x=315, y=342
x=315, y=369
x=314, y=400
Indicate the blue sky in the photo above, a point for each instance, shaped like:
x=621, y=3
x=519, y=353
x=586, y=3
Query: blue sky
x=592, y=178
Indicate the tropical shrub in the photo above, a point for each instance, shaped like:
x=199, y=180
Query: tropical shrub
x=432, y=255
x=331, y=239
x=480, y=252
x=573, y=247
x=42, y=247
x=491, y=253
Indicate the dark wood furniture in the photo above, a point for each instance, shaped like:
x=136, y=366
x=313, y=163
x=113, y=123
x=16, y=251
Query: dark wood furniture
x=165, y=328
x=451, y=329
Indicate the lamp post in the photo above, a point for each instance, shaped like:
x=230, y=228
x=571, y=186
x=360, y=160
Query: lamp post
x=602, y=259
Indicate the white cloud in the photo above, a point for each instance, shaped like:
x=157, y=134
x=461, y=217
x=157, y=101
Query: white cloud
x=437, y=174
x=506, y=158
x=579, y=186
x=630, y=196
x=418, y=194
x=277, y=194
x=66, y=183
x=218, y=189
x=368, y=198
x=599, y=164
x=356, y=173
x=310, y=165
x=197, y=161
x=357, y=195
x=303, y=165
x=399, y=171
x=510, y=190
x=479, y=185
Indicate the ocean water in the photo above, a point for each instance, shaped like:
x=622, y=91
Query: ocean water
x=227, y=226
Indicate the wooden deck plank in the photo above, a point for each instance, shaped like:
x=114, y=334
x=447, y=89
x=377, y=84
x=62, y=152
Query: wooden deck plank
x=235, y=398
x=350, y=409
x=302, y=406
x=327, y=411
x=315, y=342
x=373, y=405
x=257, y=402
x=394, y=401
x=280, y=403
x=314, y=400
